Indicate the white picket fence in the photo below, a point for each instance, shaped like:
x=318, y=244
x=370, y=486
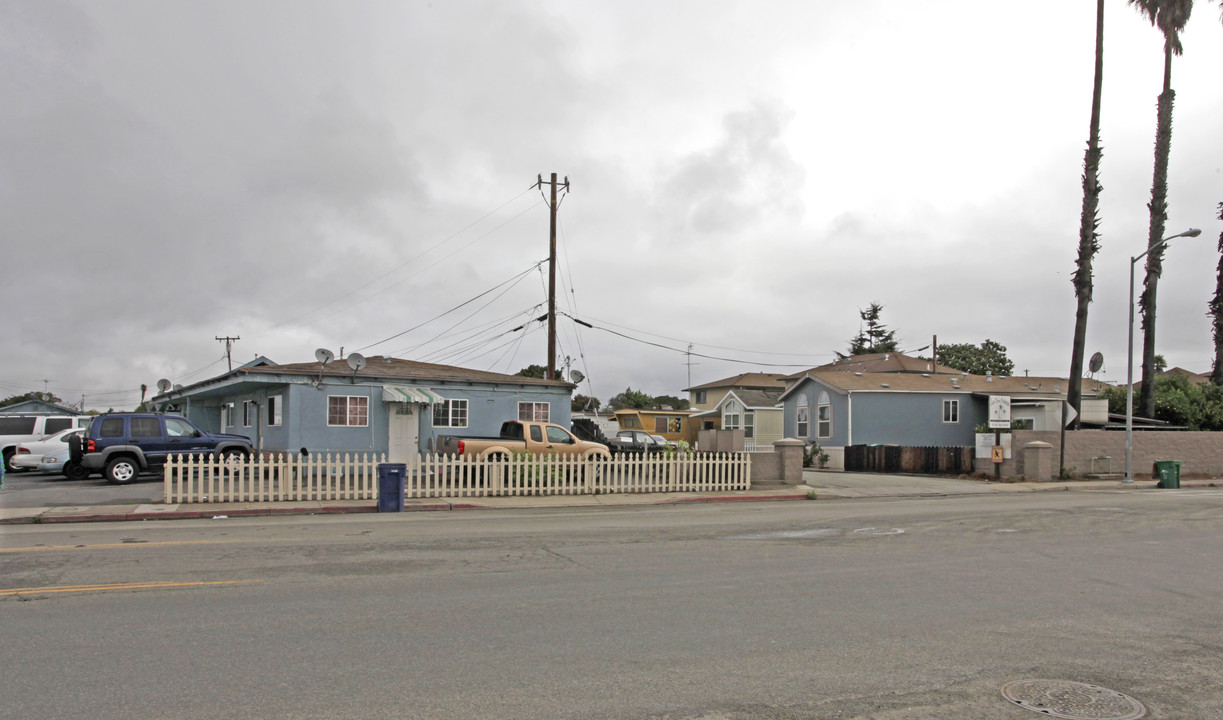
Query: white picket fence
x=291, y=477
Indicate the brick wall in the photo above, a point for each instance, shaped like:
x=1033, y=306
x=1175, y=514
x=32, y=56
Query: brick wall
x=1200, y=453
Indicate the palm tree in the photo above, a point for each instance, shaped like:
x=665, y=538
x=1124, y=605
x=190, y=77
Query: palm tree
x=1089, y=241
x=1216, y=312
x=1170, y=17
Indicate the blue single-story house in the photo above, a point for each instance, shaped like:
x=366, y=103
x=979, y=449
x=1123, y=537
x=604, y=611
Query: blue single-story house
x=37, y=406
x=839, y=409
x=387, y=405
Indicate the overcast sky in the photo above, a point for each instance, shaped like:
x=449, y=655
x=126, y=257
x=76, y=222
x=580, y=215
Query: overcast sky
x=745, y=176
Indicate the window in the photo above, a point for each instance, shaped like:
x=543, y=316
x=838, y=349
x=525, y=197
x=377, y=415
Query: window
x=533, y=411
x=250, y=411
x=275, y=408
x=700, y=396
x=451, y=413
x=557, y=435
x=951, y=411
x=630, y=422
x=227, y=416
x=802, y=417
x=347, y=411
x=179, y=428
x=17, y=425
x=667, y=424
x=537, y=435
x=1023, y=424
x=730, y=415
x=146, y=427
x=54, y=425
x=111, y=427
x=749, y=424
x=823, y=417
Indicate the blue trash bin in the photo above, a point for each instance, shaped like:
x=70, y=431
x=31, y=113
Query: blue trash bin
x=390, y=486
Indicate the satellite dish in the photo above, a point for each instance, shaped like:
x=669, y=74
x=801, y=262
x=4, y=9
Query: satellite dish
x=576, y=376
x=356, y=361
x=324, y=356
x=163, y=385
x=178, y=387
x=1096, y=362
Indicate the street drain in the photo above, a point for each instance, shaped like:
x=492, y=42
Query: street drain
x=1072, y=700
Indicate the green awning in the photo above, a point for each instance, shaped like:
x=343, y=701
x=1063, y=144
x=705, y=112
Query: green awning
x=411, y=394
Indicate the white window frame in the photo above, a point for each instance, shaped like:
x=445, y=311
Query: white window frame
x=732, y=412
x=452, y=412
x=275, y=417
x=530, y=411
x=802, y=417
x=250, y=411
x=823, y=417
x=351, y=403
x=749, y=424
x=952, y=405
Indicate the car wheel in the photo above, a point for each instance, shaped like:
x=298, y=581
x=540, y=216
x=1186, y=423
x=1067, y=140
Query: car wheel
x=74, y=471
x=233, y=455
x=8, y=464
x=122, y=470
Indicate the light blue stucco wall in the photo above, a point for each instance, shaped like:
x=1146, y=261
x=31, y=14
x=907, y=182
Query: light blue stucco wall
x=911, y=419
x=811, y=389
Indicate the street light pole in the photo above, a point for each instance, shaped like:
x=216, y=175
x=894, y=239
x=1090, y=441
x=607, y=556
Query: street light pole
x=1129, y=357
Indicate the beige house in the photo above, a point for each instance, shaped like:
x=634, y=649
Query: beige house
x=709, y=395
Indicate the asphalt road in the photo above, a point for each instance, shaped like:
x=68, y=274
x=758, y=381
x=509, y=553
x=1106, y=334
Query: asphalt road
x=30, y=489
x=915, y=609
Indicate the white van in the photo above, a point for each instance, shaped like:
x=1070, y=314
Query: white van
x=17, y=429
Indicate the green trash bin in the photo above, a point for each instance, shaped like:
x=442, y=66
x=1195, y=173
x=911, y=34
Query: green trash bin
x=1169, y=472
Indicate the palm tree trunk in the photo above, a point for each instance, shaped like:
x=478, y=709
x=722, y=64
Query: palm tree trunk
x=1216, y=312
x=1089, y=223
x=1159, y=217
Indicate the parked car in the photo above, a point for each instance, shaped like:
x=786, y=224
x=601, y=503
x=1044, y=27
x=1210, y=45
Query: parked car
x=57, y=463
x=122, y=445
x=17, y=429
x=520, y=436
x=637, y=441
x=28, y=455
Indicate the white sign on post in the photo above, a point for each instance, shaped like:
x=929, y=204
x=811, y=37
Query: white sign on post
x=999, y=412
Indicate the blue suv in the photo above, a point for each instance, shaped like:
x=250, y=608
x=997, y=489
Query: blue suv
x=122, y=445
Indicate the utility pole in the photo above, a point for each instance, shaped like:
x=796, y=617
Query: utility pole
x=551, y=374
x=229, y=343
x=690, y=364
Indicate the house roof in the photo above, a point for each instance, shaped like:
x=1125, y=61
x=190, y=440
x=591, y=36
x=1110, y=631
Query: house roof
x=751, y=399
x=1195, y=378
x=880, y=363
x=745, y=380
x=34, y=406
x=1045, y=387
x=390, y=368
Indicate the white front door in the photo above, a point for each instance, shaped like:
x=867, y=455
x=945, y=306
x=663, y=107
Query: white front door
x=404, y=442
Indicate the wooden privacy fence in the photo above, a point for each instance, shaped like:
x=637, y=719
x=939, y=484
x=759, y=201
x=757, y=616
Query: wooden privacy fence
x=290, y=477
x=917, y=460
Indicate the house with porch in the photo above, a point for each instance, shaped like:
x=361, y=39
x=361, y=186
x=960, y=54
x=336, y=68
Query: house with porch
x=386, y=405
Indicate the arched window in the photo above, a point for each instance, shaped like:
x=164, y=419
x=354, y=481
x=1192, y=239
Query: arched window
x=731, y=414
x=823, y=416
x=802, y=417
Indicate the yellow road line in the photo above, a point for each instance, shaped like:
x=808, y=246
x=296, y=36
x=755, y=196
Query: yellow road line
x=36, y=548
x=118, y=586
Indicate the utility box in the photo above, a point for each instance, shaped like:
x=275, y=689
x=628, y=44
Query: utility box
x=390, y=486
x=1169, y=473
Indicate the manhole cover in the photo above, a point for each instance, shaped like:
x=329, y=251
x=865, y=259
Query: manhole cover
x=879, y=531
x=1072, y=700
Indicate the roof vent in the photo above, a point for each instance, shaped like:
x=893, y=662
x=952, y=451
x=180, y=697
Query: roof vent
x=884, y=385
x=858, y=374
x=925, y=374
x=989, y=376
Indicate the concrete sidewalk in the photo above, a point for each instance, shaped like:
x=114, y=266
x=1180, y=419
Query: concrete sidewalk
x=820, y=485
